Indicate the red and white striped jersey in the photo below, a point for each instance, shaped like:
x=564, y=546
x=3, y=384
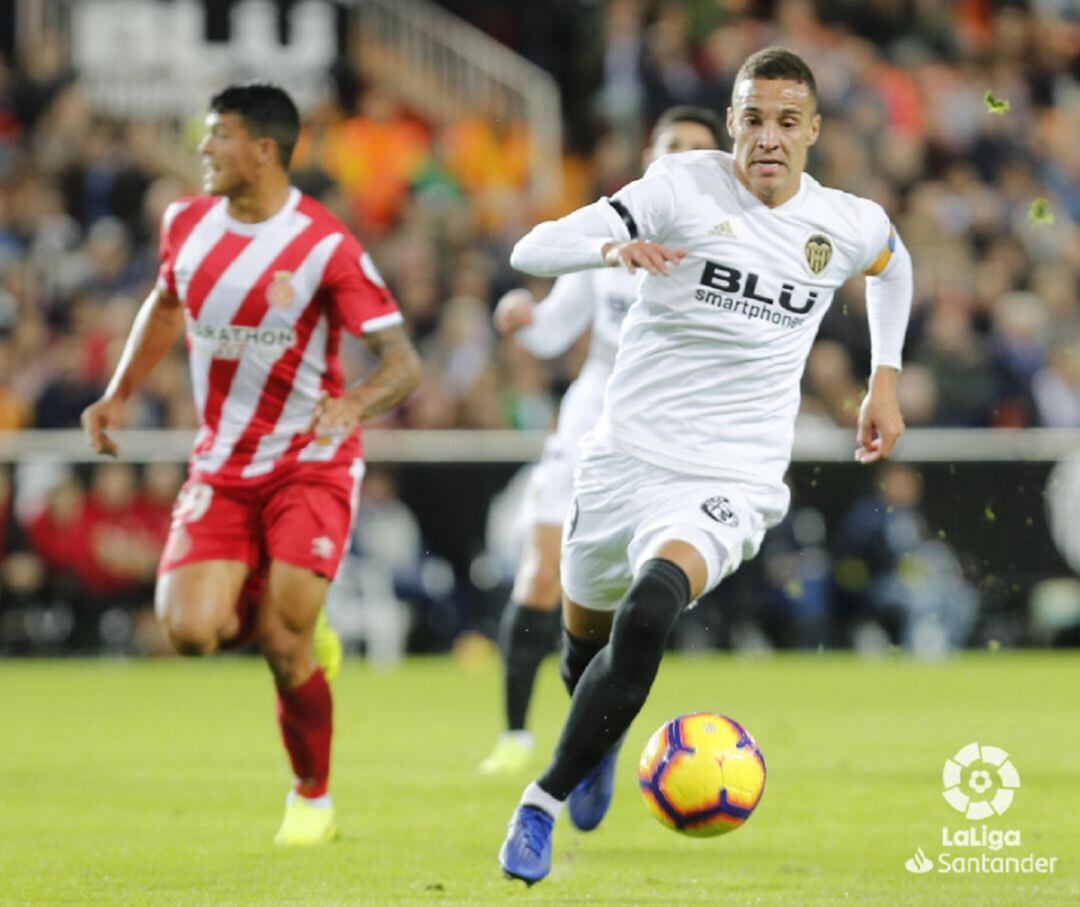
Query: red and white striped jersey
x=264, y=306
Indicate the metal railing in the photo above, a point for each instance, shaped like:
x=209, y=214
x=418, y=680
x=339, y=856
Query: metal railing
x=141, y=58
x=452, y=67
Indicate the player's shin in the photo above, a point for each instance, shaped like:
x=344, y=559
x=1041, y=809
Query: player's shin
x=575, y=656
x=305, y=713
x=526, y=636
x=616, y=683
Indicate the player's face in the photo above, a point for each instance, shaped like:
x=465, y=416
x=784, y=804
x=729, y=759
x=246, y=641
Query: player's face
x=773, y=122
x=231, y=158
x=684, y=136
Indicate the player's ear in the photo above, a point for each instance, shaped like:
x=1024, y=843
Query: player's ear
x=815, y=129
x=268, y=152
x=647, y=157
x=731, y=122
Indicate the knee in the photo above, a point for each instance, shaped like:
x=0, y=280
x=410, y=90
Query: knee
x=288, y=654
x=191, y=637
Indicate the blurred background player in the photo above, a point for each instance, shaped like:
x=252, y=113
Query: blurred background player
x=596, y=299
x=684, y=471
x=264, y=279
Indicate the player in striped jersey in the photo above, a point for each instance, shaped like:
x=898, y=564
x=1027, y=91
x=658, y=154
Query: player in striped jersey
x=593, y=300
x=262, y=280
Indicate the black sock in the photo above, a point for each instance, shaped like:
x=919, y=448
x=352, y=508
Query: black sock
x=526, y=635
x=616, y=683
x=575, y=657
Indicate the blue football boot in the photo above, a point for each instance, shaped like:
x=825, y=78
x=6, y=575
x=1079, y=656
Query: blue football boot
x=589, y=801
x=526, y=852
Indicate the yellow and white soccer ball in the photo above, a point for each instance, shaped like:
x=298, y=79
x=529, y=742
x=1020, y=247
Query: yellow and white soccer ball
x=702, y=774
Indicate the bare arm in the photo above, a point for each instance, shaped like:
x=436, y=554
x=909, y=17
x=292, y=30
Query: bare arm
x=391, y=381
x=156, y=327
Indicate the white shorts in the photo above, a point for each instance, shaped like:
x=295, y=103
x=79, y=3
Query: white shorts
x=624, y=509
x=551, y=484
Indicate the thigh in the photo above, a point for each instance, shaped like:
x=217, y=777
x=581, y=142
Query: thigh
x=537, y=580
x=551, y=485
x=308, y=518
x=212, y=523
x=585, y=623
x=715, y=518
x=200, y=597
x=596, y=571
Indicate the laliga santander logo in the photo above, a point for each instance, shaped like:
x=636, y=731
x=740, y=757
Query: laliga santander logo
x=980, y=781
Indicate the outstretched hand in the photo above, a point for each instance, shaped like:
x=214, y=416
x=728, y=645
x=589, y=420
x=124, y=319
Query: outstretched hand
x=641, y=253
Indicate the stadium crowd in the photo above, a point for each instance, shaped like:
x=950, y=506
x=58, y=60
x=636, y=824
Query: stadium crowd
x=956, y=117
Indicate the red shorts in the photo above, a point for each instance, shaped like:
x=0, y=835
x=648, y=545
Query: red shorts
x=302, y=516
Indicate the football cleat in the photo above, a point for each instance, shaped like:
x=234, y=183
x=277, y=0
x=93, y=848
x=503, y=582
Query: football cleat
x=510, y=756
x=526, y=852
x=305, y=824
x=589, y=801
x=327, y=645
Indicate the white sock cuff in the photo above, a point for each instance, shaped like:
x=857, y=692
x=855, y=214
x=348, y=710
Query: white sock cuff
x=323, y=802
x=536, y=796
x=525, y=738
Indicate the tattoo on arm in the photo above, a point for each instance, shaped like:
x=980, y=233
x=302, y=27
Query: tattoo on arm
x=394, y=378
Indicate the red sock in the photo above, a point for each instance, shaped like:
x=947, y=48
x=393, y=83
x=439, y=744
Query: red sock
x=306, y=715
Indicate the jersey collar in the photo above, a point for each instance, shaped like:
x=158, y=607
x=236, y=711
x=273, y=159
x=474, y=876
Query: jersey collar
x=749, y=200
x=245, y=229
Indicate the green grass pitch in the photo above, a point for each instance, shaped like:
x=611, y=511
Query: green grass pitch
x=162, y=783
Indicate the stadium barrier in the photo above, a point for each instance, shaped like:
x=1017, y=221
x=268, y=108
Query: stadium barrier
x=812, y=445
x=995, y=506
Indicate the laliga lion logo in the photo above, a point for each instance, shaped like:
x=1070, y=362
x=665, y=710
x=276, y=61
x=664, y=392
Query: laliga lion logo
x=970, y=783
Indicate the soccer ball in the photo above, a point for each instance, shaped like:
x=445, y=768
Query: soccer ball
x=702, y=774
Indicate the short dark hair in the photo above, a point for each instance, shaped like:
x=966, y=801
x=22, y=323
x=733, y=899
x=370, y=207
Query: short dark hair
x=777, y=63
x=686, y=113
x=267, y=111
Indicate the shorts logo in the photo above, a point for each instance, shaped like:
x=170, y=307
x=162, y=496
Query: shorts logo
x=322, y=547
x=719, y=508
x=280, y=294
x=818, y=252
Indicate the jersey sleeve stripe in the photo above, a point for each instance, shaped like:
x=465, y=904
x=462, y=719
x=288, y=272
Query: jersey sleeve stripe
x=382, y=322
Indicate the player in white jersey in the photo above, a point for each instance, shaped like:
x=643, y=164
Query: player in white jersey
x=599, y=299
x=742, y=254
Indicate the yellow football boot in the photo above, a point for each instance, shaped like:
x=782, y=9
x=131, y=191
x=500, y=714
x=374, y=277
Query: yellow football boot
x=511, y=754
x=305, y=824
x=327, y=645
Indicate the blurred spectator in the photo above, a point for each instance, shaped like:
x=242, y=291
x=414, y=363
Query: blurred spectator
x=386, y=575
x=375, y=155
x=905, y=585
x=439, y=195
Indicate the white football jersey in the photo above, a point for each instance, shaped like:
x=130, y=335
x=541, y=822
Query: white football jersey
x=706, y=378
